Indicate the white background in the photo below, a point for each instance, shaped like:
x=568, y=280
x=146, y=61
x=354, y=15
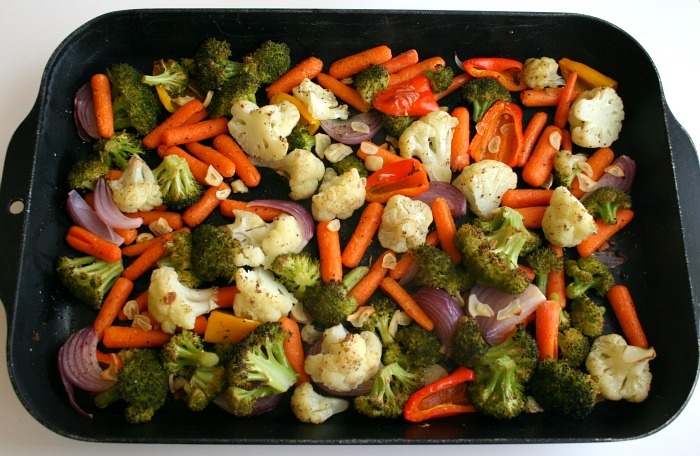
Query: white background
x=30, y=30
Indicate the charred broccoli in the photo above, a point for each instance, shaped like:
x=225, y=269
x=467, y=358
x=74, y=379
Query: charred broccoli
x=587, y=273
x=178, y=255
x=543, y=260
x=562, y=389
x=573, y=346
x=268, y=62
x=604, y=202
x=213, y=253
x=436, y=270
x=300, y=138
x=371, y=80
x=350, y=161
x=389, y=394
x=380, y=320
x=239, y=87
x=329, y=303
x=177, y=183
x=586, y=316
x=483, y=93
x=440, y=78
x=134, y=104
x=170, y=74
x=414, y=348
x=395, y=125
x=184, y=352
x=116, y=151
x=468, y=346
x=84, y=173
x=88, y=278
x=297, y=272
x=212, y=65
x=203, y=386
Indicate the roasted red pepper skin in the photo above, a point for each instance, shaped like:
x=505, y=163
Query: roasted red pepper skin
x=406, y=177
x=411, y=98
x=494, y=125
x=452, y=399
x=505, y=71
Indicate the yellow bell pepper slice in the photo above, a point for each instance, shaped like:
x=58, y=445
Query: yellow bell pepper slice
x=588, y=78
x=165, y=99
x=226, y=327
x=306, y=117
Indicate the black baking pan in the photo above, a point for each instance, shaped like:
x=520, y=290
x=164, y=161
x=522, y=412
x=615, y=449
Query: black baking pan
x=662, y=269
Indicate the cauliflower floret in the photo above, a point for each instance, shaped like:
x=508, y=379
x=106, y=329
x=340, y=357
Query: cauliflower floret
x=541, y=73
x=596, y=117
x=566, y=222
x=320, y=102
x=405, y=223
x=262, y=242
x=173, y=304
x=483, y=184
x=302, y=168
x=262, y=131
x=429, y=139
x=260, y=296
x=346, y=360
x=620, y=370
x=310, y=407
x=339, y=195
x=137, y=189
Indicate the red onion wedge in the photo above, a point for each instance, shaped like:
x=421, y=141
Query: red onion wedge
x=454, y=197
x=84, y=114
x=355, y=129
x=108, y=211
x=496, y=328
x=83, y=215
x=622, y=179
x=298, y=211
x=442, y=308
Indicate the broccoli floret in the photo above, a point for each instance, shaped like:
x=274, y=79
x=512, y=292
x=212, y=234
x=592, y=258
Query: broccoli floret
x=371, y=80
x=567, y=166
x=203, y=386
x=573, y=346
x=300, y=138
x=170, y=74
x=508, y=236
x=84, y=173
x=604, y=202
x=116, y=151
x=88, y=278
x=440, y=78
x=395, y=125
x=268, y=62
x=483, y=93
x=414, y=348
x=468, y=346
x=496, y=391
x=562, y=389
x=329, y=303
x=297, y=271
x=379, y=321
x=184, y=352
x=348, y=162
x=389, y=394
x=258, y=367
x=587, y=273
x=177, y=183
x=134, y=104
x=213, y=253
x=212, y=65
x=142, y=383
x=436, y=270
x=586, y=316
x=178, y=255
x=521, y=347
x=236, y=88
x=543, y=260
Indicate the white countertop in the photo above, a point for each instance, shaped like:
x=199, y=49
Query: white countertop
x=669, y=31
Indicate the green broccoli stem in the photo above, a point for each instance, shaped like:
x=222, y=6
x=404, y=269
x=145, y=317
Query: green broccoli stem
x=271, y=369
x=355, y=275
x=480, y=108
x=105, y=398
x=608, y=212
x=541, y=282
x=509, y=247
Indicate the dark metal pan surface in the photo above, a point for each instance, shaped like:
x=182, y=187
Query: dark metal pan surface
x=662, y=245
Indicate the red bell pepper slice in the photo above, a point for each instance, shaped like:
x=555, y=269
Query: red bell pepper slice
x=411, y=98
x=499, y=135
x=505, y=71
x=405, y=177
x=445, y=397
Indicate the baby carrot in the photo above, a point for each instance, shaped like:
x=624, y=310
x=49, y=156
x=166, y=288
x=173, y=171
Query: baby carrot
x=446, y=229
x=605, y=232
x=566, y=143
x=540, y=98
x=145, y=261
x=561, y=115
x=199, y=169
x=294, y=349
x=197, y=131
x=102, y=99
x=532, y=216
x=129, y=234
x=459, y=155
x=118, y=337
x=268, y=214
x=329, y=251
x=246, y=170
x=623, y=305
x=225, y=296
x=598, y=161
x=352, y=64
x=401, y=61
x=366, y=287
x=368, y=149
x=113, y=303
x=361, y=238
x=531, y=133
x=199, y=211
x=81, y=239
x=179, y=117
x=307, y=68
x=342, y=91
x=138, y=248
x=547, y=328
x=541, y=162
x=414, y=70
x=556, y=281
x=407, y=261
x=406, y=302
x=525, y=197
x=173, y=218
x=212, y=157
x=457, y=82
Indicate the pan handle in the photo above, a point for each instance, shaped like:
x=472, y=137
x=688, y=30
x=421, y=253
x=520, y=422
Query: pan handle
x=14, y=192
x=686, y=162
